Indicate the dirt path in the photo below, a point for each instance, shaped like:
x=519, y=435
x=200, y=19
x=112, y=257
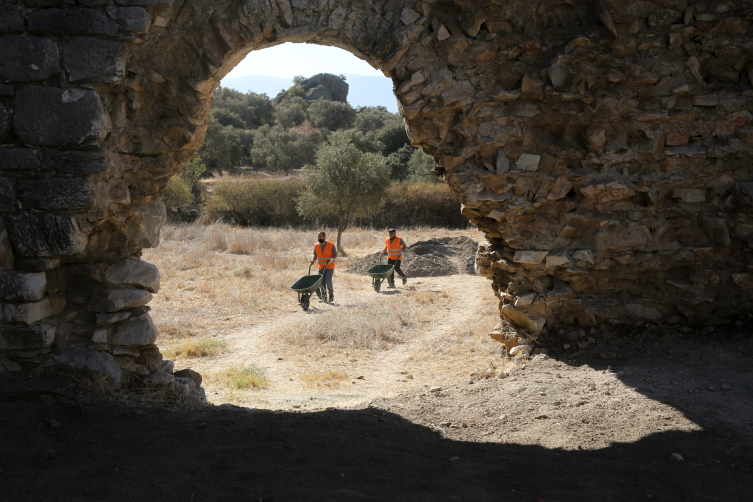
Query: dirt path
x=370, y=374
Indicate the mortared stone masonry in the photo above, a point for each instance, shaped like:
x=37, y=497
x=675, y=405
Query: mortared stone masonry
x=603, y=147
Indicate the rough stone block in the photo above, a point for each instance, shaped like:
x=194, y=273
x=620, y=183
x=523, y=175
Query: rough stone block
x=55, y=117
x=94, y=60
x=531, y=257
x=690, y=195
x=558, y=260
x=687, y=150
x=107, y=319
x=585, y=255
x=529, y=321
x=525, y=300
x=144, y=2
x=643, y=312
x=134, y=19
x=92, y=360
x=26, y=336
x=112, y=300
x=38, y=234
x=503, y=163
x=71, y=22
x=145, y=224
x=189, y=373
x=10, y=19
x=528, y=162
x=138, y=274
x=136, y=331
x=75, y=162
x=18, y=158
x=745, y=281
x=57, y=193
x=4, y=122
x=7, y=195
x=33, y=312
x=707, y=100
x=28, y=59
x=6, y=249
x=22, y=286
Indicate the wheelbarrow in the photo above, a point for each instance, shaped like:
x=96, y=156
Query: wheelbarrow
x=379, y=273
x=306, y=286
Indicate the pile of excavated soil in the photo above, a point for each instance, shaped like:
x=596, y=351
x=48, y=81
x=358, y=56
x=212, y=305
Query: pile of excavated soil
x=432, y=258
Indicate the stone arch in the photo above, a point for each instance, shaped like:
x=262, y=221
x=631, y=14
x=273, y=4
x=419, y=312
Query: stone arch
x=602, y=146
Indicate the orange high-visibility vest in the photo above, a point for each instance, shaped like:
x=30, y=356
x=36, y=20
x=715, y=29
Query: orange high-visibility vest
x=394, y=248
x=323, y=256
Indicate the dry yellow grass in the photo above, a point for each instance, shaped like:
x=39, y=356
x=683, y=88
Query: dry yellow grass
x=230, y=284
x=193, y=347
x=324, y=378
x=242, y=378
x=216, y=276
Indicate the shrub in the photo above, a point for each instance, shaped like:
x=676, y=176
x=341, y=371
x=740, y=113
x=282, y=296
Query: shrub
x=177, y=194
x=273, y=203
x=255, y=202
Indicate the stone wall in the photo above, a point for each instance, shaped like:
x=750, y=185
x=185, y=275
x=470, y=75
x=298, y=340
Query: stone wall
x=601, y=146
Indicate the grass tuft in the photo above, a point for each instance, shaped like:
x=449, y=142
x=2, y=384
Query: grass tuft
x=193, y=347
x=242, y=378
x=244, y=271
x=327, y=378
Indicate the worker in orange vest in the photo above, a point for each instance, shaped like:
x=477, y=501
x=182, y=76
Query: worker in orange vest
x=324, y=251
x=393, y=248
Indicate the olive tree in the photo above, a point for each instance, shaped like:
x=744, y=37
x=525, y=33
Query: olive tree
x=345, y=182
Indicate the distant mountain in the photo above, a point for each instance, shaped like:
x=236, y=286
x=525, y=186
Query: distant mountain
x=364, y=90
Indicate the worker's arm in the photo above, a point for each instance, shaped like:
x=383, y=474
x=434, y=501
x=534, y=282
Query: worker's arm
x=384, y=251
x=314, y=258
x=334, y=253
x=403, y=243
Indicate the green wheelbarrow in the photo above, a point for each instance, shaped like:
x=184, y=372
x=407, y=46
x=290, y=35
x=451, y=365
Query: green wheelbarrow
x=379, y=273
x=306, y=286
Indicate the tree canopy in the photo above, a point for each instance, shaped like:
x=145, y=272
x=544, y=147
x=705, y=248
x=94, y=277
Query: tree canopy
x=344, y=182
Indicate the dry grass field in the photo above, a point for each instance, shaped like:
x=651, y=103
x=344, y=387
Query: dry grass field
x=225, y=310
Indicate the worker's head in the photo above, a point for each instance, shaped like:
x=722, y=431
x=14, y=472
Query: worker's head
x=321, y=237
x=392, y=232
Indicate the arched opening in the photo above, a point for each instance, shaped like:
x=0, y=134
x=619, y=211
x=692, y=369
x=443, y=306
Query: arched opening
x=224, y=308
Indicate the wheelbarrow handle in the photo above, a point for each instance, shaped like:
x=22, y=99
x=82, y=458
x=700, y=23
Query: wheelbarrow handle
x=325, y=265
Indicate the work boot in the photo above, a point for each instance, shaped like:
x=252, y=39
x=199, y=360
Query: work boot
x=405, y=280
x=331, y=298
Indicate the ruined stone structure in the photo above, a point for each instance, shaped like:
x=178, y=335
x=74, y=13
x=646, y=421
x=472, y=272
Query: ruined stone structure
x=602, y=146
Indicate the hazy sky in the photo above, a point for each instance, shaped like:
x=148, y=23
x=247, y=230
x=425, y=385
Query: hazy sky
x=288, y=60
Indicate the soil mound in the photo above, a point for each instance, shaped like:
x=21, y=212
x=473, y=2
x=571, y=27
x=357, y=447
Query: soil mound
x=431, y=258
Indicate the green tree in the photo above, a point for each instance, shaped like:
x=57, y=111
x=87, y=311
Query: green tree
x=398, y=162
x=228, y=118
x=393, y=136
x=255, y=109
x=345, y=183
x=280, y=150
x=298, y=79
x=331, y=115
x=419, y=167
x=291, y=112
x=225, y=147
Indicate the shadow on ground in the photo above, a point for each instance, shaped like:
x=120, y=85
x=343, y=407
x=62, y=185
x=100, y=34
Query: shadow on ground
x=115, y=452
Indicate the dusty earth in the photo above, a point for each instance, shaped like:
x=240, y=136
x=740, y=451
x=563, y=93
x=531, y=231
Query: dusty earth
x=430, y=258
x=572, y=426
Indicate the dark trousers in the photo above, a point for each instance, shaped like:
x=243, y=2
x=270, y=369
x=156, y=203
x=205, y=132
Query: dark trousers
x=397, y=269
x=326, y=282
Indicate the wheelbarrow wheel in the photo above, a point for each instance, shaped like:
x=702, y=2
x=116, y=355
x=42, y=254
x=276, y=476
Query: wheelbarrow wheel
x=377, y=286
x=305, y=303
